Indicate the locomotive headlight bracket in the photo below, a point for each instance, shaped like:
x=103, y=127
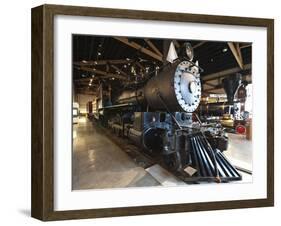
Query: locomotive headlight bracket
x=189, y=51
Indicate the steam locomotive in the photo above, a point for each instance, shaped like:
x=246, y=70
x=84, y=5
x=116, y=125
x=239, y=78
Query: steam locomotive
x=159, y=118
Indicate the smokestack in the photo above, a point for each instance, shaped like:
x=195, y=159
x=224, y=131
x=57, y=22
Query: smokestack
x=230, y=85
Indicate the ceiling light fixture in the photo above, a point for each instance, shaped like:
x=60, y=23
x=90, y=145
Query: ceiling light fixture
x=224, y=50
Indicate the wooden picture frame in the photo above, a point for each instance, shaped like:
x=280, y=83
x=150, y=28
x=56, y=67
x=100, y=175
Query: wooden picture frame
x=43, y=120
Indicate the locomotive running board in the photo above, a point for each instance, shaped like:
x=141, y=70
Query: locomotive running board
x=207, y=164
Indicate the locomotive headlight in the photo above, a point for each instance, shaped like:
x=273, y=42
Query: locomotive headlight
x=189, y=51
x=192, y=87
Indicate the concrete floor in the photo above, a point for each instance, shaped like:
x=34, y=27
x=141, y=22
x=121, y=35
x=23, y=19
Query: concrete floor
x=239, y=151
x=100, y=163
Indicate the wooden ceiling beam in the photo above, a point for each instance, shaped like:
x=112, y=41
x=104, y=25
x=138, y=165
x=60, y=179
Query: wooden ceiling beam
x=209, y=84
x=236, y=53
x=198, y=44
x=225, y=73
x=217, y=91
x=176, y=43
x=86, y=79
x=219, y=86
x=86, y=93
x=107, y=68
x=103, y=73
x=118, y=69
x=153, y=47
x=102, y=62
x=139, y=47
x=139, y=65
x=88, y=88
x=239, y=52
x=77, y=82
x=245, y=46
x=85, y=88
x=107, y=74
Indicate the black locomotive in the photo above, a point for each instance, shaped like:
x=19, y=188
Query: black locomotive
x=159, y=118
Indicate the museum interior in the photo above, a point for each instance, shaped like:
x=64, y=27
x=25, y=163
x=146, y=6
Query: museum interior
x=160, y=112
